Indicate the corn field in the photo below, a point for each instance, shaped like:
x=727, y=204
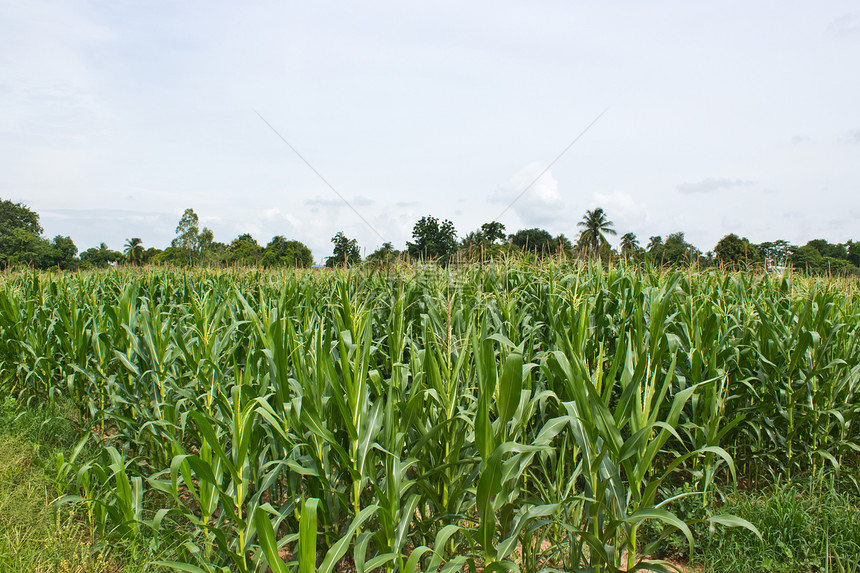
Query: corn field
x=496, y=418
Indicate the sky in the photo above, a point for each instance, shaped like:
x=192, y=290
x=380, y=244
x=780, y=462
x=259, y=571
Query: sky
x=722, y=117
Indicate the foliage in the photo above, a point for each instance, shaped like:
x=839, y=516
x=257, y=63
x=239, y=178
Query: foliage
x=481, y=245
x=187, y=239
x=675, y=251
x=537, y=241
x=101, y=257
x=345, y=252
x=595, y=227
x=775, y=254
x=432, y=239
x=734, y=252
x=384, y=256
x=820, y=257
x=804, y=527
x=629, y=244
x=60, y=253
x=150, y=254
x=433, y=418
x=281, y=252
x=35, y=534
x=192, y=246
x=19, y=233
x=21, y=243
x=134, y=250
x=244, y=250
x=492, y=232
x=853, y=248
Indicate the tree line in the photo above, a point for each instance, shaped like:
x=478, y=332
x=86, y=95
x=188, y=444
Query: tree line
x=22, y=244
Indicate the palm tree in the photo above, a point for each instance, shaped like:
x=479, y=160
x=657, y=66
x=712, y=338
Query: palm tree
x=594, y=224
x=629, y=243
x=654, y=243
x=134, y=250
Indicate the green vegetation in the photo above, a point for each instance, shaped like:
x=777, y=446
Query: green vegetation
x=805, y=526
x=35, y=534
x=345, y=252
x=22, y=246
x=549, y=416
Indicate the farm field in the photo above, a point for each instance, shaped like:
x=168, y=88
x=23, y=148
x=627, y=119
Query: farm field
x=535, y=417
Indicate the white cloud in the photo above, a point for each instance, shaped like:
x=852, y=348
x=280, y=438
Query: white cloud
x=627, y=214
x=275, y=215
x=533, y=196
x=846, y=25
x=711, y=184
x=853, y=136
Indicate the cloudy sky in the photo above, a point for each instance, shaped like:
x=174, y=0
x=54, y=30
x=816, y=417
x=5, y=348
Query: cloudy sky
x=723, y=117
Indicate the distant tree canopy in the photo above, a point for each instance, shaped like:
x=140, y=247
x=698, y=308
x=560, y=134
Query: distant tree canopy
x=674, y=251
x=488, y=234
x=134, y=250
x=345, y=252
x=820, y=257
x=192, y=246
x=244, y=250
x=283, y=253
x=735, y=252
x=538, y=241
x=386, y=255
x=595, y=227
x=22, y=244
x=432, y=239
x=100, y=258
x=19, y=234
x=775, y=254
x=629, y=244
x=492, y=232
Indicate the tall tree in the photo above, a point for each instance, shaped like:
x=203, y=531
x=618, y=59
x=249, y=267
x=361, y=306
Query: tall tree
x=433, y=240
x=281, y=252
x=100, y=257
x=677, y=251
x=386, y=255
x=629, y=243
x=188, y=236
x=345, y=251
x=776, y=253
x=853, y=252
x=20, y=234
x=595, y=227
x=534, y=240
x=61, y=253
x=736, y=252
x=134, y=250
x=209, y=251
x=244, y=250
x=493, y=231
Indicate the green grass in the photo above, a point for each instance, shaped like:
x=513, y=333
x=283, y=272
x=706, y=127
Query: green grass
x=807, y=525
x=35, y=534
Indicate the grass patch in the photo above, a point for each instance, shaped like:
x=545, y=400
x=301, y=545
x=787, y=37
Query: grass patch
x=810, y=526
x=35, y=535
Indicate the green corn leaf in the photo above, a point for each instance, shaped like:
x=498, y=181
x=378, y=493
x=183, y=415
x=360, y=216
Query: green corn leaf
x=338, y=550
x=510, y=387
x=734, y=521
x=268, y=541
x=308, y=536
